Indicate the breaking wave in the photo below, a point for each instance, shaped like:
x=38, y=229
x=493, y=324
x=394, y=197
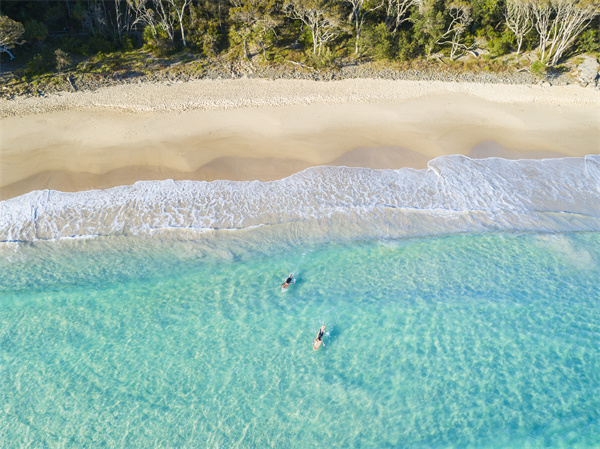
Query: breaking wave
x=454, y=194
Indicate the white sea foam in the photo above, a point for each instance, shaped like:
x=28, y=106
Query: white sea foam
x=455, y=194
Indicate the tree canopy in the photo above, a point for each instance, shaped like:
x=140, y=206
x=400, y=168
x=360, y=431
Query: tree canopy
x=376, y=29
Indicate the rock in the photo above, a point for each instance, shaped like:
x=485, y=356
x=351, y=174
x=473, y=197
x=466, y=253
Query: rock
x=588, y=71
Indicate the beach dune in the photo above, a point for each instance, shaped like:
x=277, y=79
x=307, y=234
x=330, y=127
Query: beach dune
x=250, y=129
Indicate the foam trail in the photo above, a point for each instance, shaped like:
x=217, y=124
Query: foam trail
x=454, y=194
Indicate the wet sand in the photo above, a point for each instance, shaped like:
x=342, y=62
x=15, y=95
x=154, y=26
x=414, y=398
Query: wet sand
x=267, y=130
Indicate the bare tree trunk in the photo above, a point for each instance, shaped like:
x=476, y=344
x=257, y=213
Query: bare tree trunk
x=559, y=23
x=396, y=11
x=165, y=19
x=358, y=16
x=461, y=18
x=518, y=17
x=144, y=15
x=118, y=18
x=180, y=14
x=324, y=22
x=6, y=50
x=542, y=11
x=571, y=19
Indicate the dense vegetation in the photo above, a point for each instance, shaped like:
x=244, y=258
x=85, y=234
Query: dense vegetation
x=49, y=36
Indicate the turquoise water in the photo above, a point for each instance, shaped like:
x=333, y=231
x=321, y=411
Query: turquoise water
x=483, y=341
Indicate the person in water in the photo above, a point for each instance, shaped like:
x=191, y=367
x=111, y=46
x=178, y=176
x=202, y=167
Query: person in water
x=319, y=340
x=288, y=281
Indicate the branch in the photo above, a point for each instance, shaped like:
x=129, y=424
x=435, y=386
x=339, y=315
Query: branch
x=3, y=49
x=300, y=64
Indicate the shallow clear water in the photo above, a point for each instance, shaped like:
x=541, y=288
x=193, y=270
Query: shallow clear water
x=484, y=341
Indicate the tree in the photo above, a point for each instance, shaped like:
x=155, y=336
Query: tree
x=144, y=15
x=518, y=18
x=460, y=14
x=429, y=24
x=322, y=18
x=572, y=17
x=487, y=14
x=95, y=18
x=63, y=59
x=11, y=34
x=246, y=13
x=267, y=23
x=360, y=9
x=165, y=18
x=179, y=7
x=542, y=13
x=122, y=19
x=559, y=22
x=396, y=12
x=154, y=15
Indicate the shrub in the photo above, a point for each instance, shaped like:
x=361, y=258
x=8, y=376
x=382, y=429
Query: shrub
x=589, y=41
x=378, y=42
x=325, y=59
x=37, y=66
x=63, y=59
x=210, y=40
x=97, y=43
x=502, y=45
x=407, y=47
x=159, y=44
x=127, y=43
x=35, y=31
x=537, y=68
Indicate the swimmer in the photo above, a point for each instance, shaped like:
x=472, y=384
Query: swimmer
x=319, y=340
x=288, y=281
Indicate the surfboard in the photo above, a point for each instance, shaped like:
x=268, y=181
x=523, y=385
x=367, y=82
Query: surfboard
x=318, y=343
x=284, y=287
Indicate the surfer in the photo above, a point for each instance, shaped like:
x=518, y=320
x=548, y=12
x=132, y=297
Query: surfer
x=319, y=340
x=288, y=281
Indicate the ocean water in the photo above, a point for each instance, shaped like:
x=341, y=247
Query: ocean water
x=461, y=305
x=471, y=340
x=454, y=194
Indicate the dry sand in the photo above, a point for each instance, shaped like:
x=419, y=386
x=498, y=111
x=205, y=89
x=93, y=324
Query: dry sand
x=261, y=129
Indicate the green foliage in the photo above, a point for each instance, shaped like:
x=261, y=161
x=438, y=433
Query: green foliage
x=160, y=44
x=149, y=37
x=538, y=68
x=213, y=27
x=326, y=59
x=38, y=65
x=35, y=31
x=589, y=41
x=63, y=60
x=11, y=33
x=502, y=45
x=429, y=25
x=378, y=42
x=210, y=40
x=79, y=11
x=530, y=41
x=98, y=43
x=203, y=30
x=127, y=43
x=407, y=47
x=487, y=13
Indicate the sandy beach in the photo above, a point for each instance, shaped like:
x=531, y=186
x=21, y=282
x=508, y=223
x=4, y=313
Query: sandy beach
x=248, y=129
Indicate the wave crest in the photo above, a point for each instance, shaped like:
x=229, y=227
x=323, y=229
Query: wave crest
x=454, y=194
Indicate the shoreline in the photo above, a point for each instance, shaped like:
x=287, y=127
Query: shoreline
x=455, y=194
x=257, y=129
